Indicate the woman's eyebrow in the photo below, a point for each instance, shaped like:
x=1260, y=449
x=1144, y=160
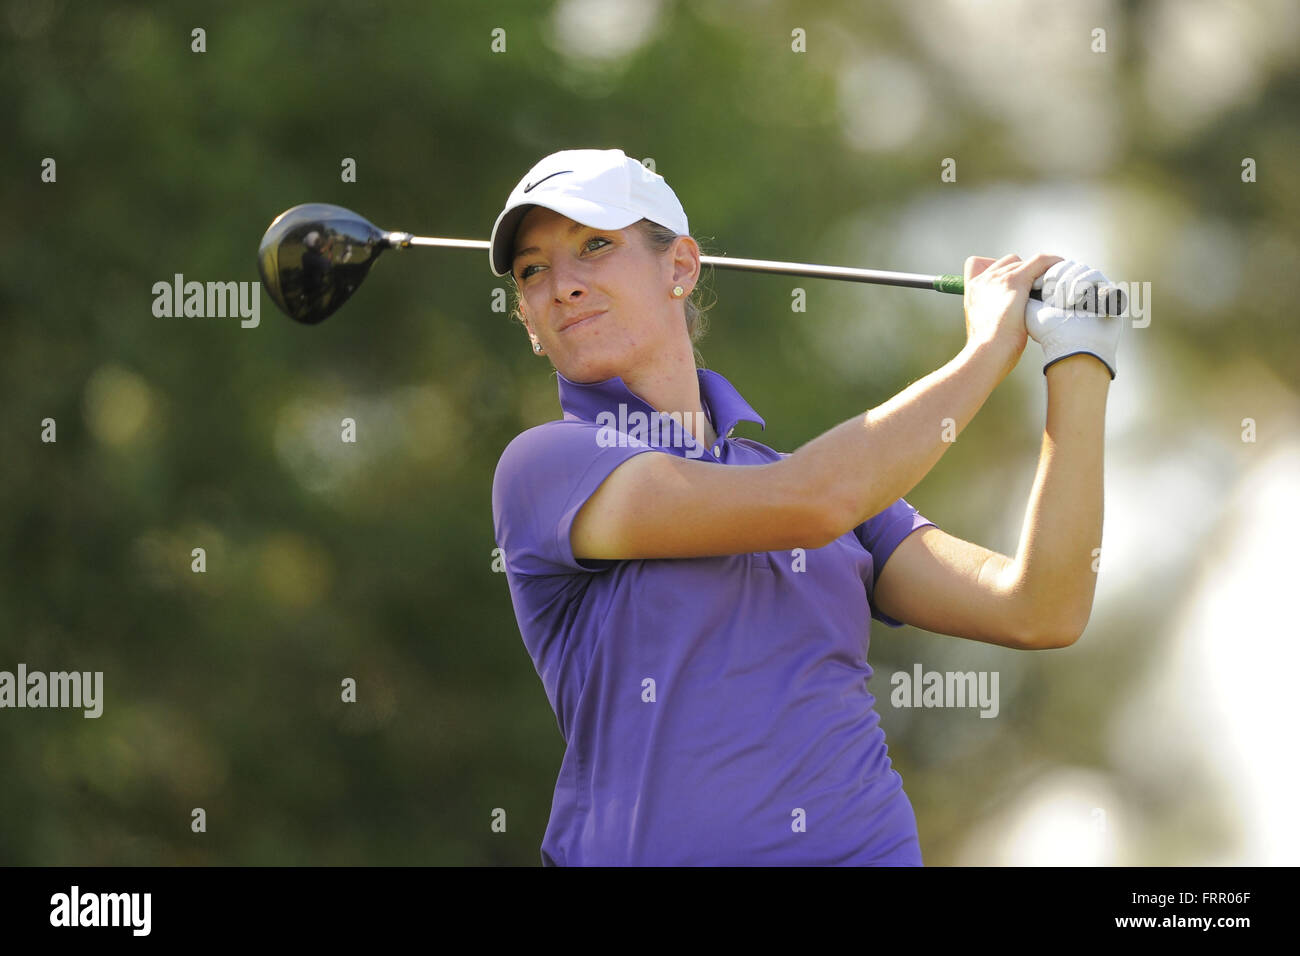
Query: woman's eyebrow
x=576, y=227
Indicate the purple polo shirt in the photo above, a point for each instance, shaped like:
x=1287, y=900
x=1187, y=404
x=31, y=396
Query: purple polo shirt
x=715, y=710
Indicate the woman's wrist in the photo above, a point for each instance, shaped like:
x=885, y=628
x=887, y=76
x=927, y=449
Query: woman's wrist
x=1080, y=368
x=995, y=354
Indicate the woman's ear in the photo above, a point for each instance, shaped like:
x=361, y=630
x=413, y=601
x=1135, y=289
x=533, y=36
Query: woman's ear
x=686, y=261
x=528, y=326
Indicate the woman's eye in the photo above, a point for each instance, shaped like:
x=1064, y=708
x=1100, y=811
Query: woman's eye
x=528, y=269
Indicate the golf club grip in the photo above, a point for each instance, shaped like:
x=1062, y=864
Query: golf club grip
x=956, y=285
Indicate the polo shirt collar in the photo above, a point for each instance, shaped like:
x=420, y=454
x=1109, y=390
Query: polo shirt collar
x=724, y=405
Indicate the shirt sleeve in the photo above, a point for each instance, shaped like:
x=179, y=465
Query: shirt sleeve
x=542, y=480
x=880, y=535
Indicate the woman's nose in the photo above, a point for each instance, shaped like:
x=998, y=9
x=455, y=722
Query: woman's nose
x=569, y=282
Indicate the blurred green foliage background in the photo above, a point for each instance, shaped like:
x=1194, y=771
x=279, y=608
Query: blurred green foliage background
x=373, y=560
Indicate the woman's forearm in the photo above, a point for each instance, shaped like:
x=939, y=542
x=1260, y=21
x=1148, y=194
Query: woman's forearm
x=863, y=465
x=1055, y=561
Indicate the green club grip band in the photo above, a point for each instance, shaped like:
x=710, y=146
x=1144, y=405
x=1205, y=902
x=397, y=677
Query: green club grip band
x=954, y=284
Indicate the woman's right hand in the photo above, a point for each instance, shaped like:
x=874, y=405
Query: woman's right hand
x=997, y=291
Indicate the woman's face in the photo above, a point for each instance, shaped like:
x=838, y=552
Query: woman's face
x=565, y=270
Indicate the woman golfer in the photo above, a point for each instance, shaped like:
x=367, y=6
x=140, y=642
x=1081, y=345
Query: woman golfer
x=698, y=606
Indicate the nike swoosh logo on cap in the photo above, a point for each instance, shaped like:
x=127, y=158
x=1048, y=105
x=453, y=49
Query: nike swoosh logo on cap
x=544, y=178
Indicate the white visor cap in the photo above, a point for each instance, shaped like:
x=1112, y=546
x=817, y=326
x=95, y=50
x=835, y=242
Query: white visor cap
x=602, y=188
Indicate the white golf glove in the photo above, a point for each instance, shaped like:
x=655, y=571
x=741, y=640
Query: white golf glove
x=1058, y=324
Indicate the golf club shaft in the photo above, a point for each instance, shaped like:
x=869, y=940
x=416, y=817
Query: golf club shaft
x=941, y=283
x=953, y=284
x=911, y=280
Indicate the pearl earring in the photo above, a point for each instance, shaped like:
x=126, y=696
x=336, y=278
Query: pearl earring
x=678, y=290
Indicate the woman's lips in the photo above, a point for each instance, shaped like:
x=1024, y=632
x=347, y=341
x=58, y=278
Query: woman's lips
x=574, y=325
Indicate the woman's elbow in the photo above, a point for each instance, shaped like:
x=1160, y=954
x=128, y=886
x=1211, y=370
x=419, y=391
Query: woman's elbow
x=1060, y=635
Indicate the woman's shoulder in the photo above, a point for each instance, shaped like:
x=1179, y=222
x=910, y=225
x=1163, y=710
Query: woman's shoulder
x=549, y=450
x=540, y=437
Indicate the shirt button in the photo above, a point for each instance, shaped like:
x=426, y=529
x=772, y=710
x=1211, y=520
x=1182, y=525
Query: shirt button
x=717, y=452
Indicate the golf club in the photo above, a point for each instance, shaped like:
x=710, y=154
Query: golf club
x=314, y=256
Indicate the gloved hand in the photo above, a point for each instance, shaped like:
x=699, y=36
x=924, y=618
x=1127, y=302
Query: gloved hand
x=1060, y=327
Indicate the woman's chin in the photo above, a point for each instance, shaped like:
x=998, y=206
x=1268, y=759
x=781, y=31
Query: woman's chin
x=589, y=368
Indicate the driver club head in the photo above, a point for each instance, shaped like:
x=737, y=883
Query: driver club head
x=314, y=256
